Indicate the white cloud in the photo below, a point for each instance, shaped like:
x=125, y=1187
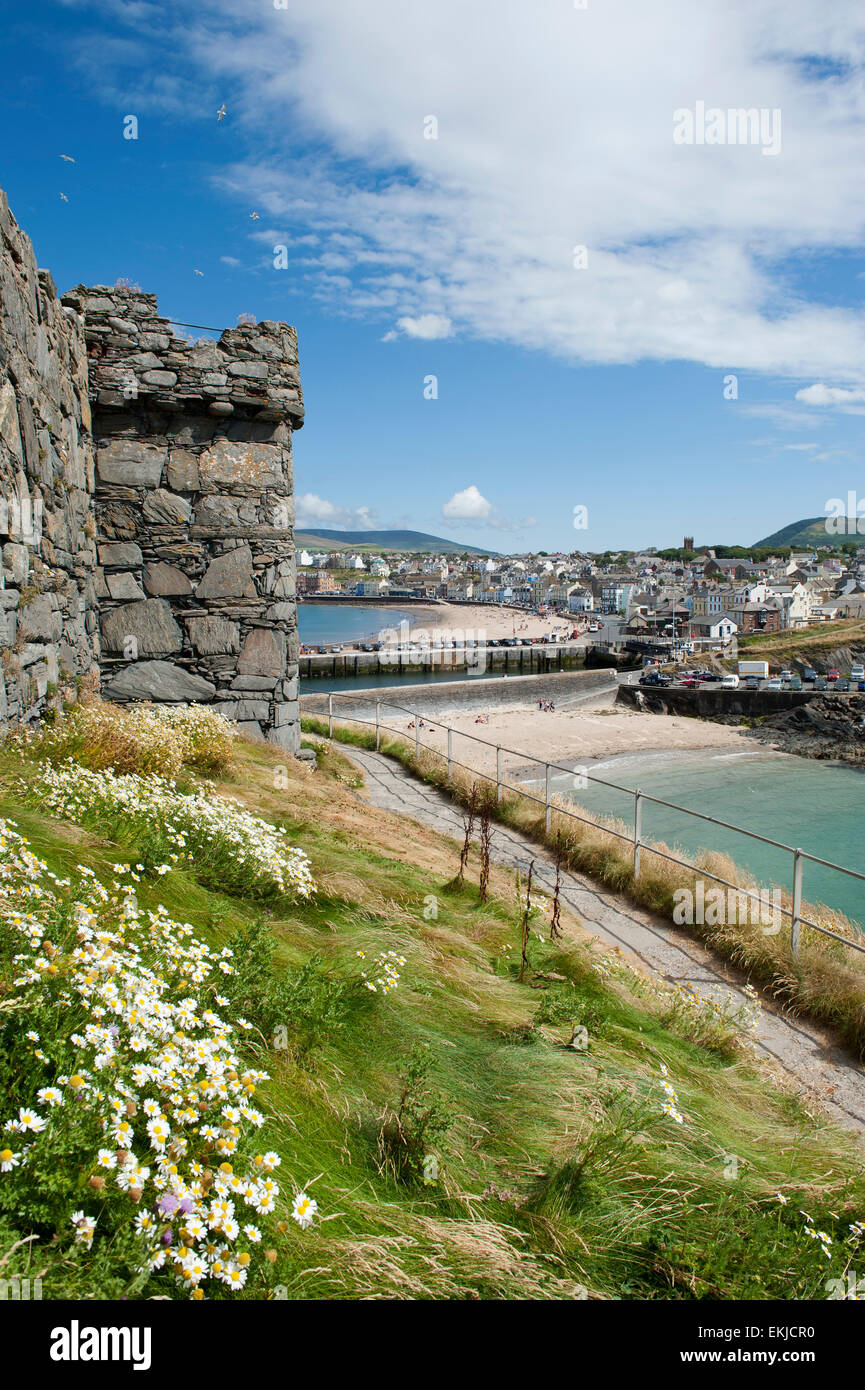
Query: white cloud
x=429, y=326
x=230, y=260
x=313, y=510
x=819, y=394
x=468, y=505
x=552, y=134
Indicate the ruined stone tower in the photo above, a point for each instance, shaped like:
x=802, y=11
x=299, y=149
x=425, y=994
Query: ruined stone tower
x=194, y=510
x=160, y=471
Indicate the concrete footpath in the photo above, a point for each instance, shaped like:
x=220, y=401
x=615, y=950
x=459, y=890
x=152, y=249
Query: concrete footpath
x=814, y=1062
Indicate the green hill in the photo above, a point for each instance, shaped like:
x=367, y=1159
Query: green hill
x=413, y=541
x=810, y=534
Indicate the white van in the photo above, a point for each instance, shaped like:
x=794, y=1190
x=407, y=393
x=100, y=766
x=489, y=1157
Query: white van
x=730, y=682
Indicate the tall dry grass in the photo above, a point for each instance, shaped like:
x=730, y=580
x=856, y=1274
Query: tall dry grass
x=143, y=739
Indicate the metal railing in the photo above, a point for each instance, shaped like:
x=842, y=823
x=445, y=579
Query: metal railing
x=634, y=838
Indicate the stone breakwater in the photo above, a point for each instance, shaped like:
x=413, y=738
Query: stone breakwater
x=161, y=468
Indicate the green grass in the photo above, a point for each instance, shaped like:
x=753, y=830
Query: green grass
x=558, y=1175
x=820, y=638
x=825, y=981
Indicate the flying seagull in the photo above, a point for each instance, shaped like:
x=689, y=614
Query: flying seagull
x=63, y=196
x=199, y=272
x=221, y=112
x=254, y=216
x=68, y=158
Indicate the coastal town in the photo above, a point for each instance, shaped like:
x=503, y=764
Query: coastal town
x=655, y=603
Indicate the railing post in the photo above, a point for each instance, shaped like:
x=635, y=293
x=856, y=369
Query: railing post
x=330, y=716
x=416, y=735
x=450, y=753
x=638, y=830
x=797, y=901
x=377, y=725
x=547, y=811
x=498, y=773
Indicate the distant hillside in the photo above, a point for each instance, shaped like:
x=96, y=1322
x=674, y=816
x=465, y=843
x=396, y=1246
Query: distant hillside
x=416, y=541
x=809, y=534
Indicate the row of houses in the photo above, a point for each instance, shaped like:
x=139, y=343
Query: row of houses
x=709, y=595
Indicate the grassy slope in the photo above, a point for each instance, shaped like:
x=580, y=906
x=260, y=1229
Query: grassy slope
x=559, y=1170
x=777, y=646
x=825, y=981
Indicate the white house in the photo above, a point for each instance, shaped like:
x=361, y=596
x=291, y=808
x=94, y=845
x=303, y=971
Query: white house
x=714, y=628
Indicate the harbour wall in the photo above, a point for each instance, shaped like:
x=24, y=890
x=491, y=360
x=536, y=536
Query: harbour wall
x=560, y=687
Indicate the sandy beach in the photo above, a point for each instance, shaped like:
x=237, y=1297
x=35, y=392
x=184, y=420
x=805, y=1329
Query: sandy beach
x=571, y=737
x=476, y=622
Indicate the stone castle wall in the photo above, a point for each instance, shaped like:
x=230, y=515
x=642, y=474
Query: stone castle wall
x=48, y=615
x=178, y=455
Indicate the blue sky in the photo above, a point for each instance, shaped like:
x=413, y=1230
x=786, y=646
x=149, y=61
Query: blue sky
x=408, y=257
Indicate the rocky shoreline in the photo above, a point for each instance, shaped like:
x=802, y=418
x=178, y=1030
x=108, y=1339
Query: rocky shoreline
x=830, y=726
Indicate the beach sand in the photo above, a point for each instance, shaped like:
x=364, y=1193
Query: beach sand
x=476, y=622
x=572, y=737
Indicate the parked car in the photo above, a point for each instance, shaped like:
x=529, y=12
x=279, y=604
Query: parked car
x=655, y=678
x=861, y=685
x=821, y=683
x=833, y=675
x=857, y=673
x=842, y=685
x=795, y=682
x=752, y=682
x=809, y=675
x=774, y=684
x=730, y=682
x=713, y=676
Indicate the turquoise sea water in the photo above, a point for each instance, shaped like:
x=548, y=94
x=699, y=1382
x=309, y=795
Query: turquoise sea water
x=813, y=805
